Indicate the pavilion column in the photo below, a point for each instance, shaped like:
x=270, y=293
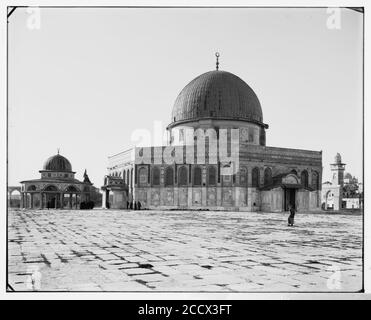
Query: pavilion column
x=31, y=204
x=70, y=200
x=104, y=199
x=41, y=200
x=61, y=200
x=75, y=200
x=25, y=200
x=55, y=201
x=22, y=200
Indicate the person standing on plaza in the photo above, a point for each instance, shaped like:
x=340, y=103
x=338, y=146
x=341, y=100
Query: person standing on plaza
x=291, y=216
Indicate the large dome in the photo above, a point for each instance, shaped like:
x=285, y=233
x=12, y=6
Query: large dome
x=217, y=95
x=57, y=163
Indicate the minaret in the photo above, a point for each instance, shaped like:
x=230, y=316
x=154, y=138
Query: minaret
x=337, y=169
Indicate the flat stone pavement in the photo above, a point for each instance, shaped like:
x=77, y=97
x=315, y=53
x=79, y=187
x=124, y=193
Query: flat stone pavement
x=108, y=250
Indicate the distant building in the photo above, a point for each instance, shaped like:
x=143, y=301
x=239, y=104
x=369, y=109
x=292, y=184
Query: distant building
x=57, y=187
x=14, y=196
x=343, y=192
x=352, y=203
x=263, y=179
x=349, y=179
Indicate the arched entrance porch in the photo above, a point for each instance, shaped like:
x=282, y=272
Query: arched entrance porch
x=50, y=197
x=115, y=193
x=71, y=198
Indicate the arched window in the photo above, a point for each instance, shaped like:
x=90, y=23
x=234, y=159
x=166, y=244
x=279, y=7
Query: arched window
x=51, y=188
x=251, y=134
x=197, y=176
x=304, y=178
x=255, y=177
x=31, y=188
x=267, y=176
x=156, y=176
x=71, y=189
x=294, y=172
x=243, y=177
x=315, y=180
x=143, y=176
x=211, y=178
x=169, y=176
x=183, y=176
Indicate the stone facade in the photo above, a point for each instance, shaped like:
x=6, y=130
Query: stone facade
x=217, y=158
x=202, y=186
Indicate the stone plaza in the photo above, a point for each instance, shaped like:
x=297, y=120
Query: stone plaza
x=183, y=251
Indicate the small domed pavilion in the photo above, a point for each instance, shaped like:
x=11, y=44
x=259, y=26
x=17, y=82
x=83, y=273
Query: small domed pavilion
x=57, y=187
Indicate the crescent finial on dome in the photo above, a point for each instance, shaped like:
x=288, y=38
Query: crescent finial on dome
x=217, y=55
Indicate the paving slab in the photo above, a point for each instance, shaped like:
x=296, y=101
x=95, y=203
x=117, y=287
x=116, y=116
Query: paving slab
x=113, y=250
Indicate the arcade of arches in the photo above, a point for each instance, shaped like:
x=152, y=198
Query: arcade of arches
x=204, y=186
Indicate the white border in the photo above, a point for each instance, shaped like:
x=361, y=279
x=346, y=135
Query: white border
x=171, y=295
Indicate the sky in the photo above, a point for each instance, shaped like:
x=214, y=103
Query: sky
x=89, y=77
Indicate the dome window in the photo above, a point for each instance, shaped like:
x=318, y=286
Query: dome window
x=181, y=135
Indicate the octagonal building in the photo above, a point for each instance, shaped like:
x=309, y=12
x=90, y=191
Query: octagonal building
x=57, y=187
x=216, y=158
